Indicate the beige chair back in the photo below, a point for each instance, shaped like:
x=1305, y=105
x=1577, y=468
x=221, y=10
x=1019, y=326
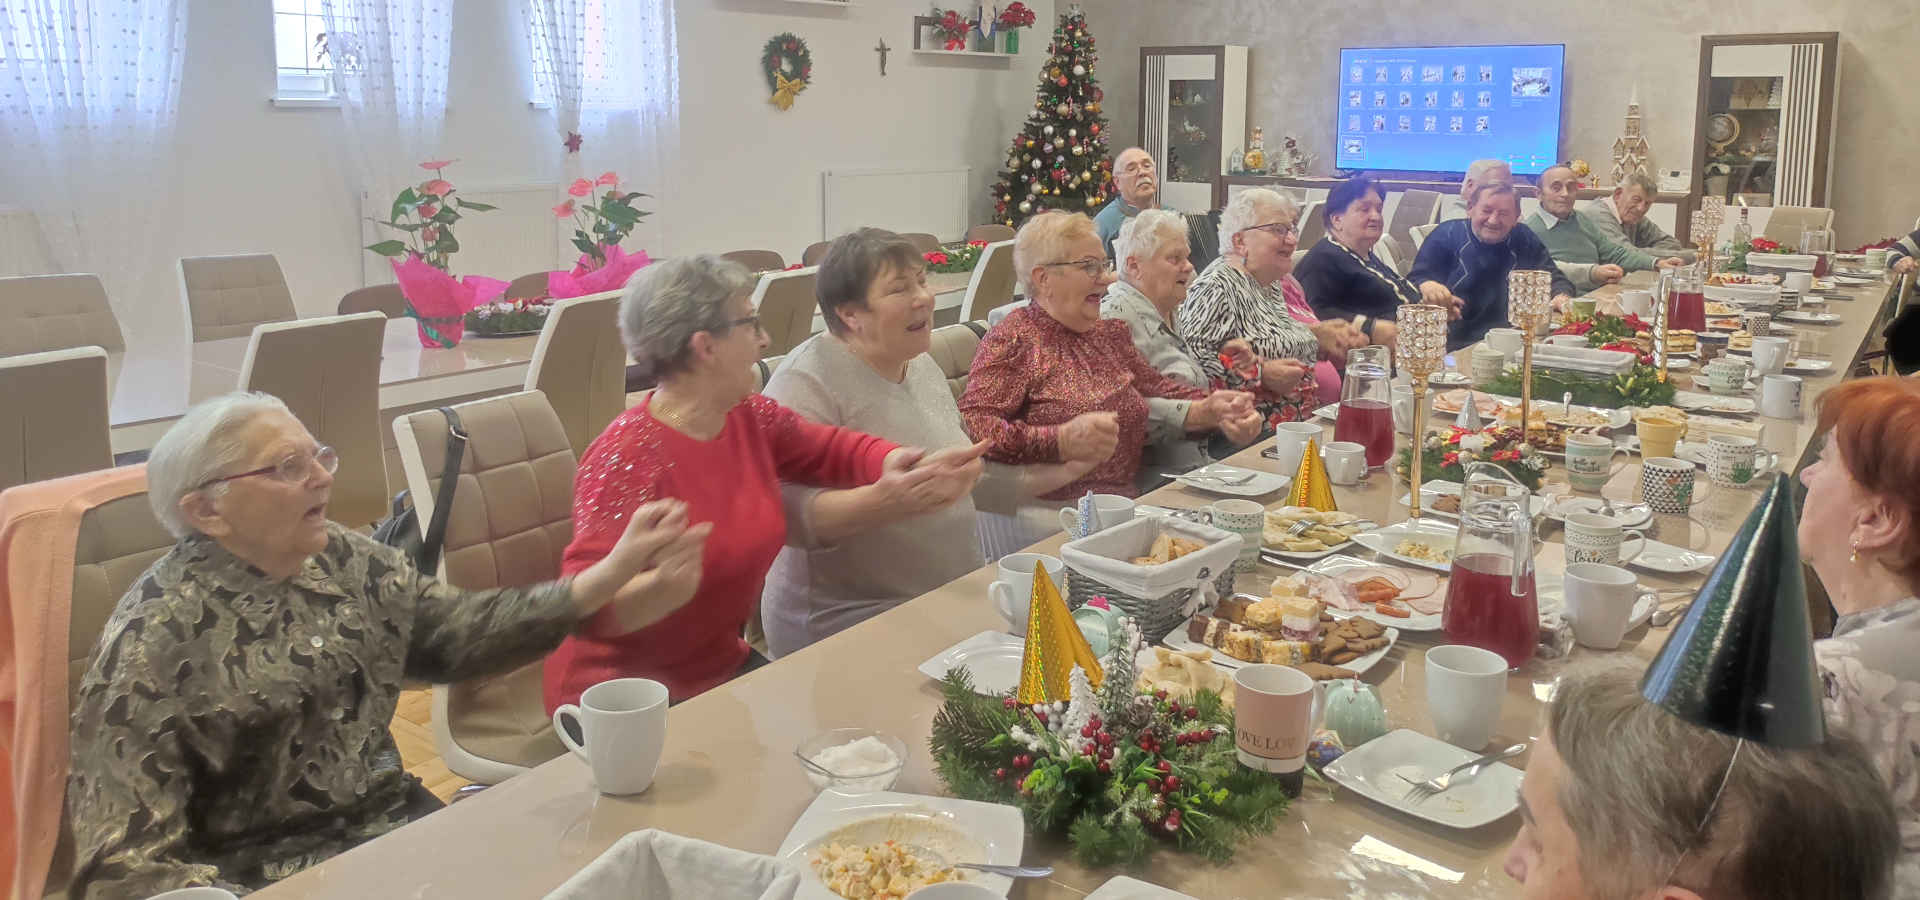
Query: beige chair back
x=763, y=370
x=757, y=260
x=531, y=285
x=816, y=252
x=785, y=303
x=1415, y=208
x=922, y=241
x=953, y=348
x=55, y=312
x=580, y=364
x=1784, y=223
x=327, y=371
x=54, y=422
x=1419, y=234
x=385, y=299
x=1312, y=227
x=512, y=518
x=992, y=283
x=991, y=234
x=228, y=295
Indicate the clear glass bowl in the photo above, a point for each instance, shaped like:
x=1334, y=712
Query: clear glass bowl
x=860, y=781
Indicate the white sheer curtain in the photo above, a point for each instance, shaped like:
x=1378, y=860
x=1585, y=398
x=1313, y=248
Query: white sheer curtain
x=389, y=61
x=89, y=94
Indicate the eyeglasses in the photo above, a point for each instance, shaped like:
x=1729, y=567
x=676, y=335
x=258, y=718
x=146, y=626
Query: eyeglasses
x=1093, y=266
x=294, y=469
x=753, y=320
x=1277, y=229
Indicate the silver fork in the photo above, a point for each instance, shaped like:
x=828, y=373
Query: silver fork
x=1298, y=528
x=1424, y=789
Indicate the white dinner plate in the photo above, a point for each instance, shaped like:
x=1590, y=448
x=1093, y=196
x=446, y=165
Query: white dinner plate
x=1309, y=555
x=1696, y=452
x=1439, y=535
x=1550, y=593
x=1449, y=379
x=1124, y=888
x=1177, y=640
x=1416, y=622
x=991, y=657
x=1374, y=770
x=1807, y=316
x=1853, y=280
x=1329, y=412
x=1714, y=402
x=1670, y=560
x=1263, y=483
x=960, y=830
x=1432, y=490
x=1797, y=366
x=1629, y=515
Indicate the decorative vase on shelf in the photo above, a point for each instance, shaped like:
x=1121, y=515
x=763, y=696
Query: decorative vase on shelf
x=1013, y=40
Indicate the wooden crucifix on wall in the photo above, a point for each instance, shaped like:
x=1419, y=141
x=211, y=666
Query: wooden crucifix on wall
x=882, y=49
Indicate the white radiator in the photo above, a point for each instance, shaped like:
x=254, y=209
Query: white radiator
x=521, y=236
x=934, y=201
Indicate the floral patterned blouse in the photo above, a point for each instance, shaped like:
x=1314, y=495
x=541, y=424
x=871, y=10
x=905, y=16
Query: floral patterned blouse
x=1872, y=681
x=232, y=729
x=1224, y=303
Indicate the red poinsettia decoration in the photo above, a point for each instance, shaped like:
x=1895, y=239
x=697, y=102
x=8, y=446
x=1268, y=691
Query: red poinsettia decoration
x=1016, y=15
x=1766, y=246
x=953, y=27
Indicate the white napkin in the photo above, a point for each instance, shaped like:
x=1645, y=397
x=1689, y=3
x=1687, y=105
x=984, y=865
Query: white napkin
x=663, y=866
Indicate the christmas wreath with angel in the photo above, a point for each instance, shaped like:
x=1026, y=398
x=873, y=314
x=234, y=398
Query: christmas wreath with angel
x=788, y=67
x=1115, y=770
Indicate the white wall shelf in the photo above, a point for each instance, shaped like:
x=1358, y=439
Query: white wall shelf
x=839, y=3
x=988, y=54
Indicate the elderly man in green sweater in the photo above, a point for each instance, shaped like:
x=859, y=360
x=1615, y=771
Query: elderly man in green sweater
x=1587, y=257
x=1623, y=217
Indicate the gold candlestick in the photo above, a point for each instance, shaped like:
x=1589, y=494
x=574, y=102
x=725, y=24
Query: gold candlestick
x=1529, y=303
x=1422, y=351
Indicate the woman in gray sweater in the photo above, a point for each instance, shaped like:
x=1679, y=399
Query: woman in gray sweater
x=870, y=371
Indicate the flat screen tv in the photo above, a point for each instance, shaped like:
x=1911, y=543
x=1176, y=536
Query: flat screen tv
x=1437, y=109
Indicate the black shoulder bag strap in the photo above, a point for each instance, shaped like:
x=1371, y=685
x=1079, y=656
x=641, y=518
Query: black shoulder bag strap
x=436, y=533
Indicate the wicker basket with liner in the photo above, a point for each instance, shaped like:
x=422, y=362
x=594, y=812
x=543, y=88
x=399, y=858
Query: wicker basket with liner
x=1158, y=598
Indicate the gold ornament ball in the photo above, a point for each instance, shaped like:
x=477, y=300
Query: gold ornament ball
x=1094, y=107
x=1093, y=201
x=1026, y=207
x=1078, y=150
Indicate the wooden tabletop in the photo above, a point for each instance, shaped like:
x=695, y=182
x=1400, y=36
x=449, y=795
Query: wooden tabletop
x=728, y=775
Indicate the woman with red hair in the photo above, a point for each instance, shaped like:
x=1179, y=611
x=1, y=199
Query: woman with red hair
x=1860, y=530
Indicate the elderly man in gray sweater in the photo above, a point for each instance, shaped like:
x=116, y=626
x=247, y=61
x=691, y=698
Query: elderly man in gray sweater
x=1623, y=217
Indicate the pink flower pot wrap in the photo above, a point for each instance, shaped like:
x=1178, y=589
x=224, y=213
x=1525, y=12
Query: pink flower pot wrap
x=440, y=302
x=584, y=280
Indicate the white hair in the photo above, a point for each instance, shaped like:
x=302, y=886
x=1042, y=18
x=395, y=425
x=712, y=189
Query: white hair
x=1245, y=208
x=1482, y=169
x=669, y=302
x=1643, y=181
x=1146, y=234
x=200, y=447
x=1043, y=239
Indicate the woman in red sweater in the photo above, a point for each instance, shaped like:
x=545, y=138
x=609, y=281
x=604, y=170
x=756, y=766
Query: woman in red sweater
x=705, y=437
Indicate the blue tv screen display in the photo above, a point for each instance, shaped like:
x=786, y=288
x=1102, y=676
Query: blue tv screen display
x=1436, y=109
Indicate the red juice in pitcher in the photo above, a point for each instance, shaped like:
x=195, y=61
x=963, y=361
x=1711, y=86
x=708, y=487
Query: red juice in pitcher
x=1483, y=611
x=1688, y=310
x=1368, y=423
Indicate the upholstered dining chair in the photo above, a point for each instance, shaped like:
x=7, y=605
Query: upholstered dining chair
x=54, y=422
x=757, y=260
x=1419, y=234
x=992, y=284
x=55, y=312
x=990, y=233
x=227, y=295
x=511, y=520
x=581, y=365
x=1416, y=207
x=922, y=241
x=785, y=304
x=533, y=284
x=385, y=299
x=1784, y=223
x=1311, y=227
x=327, y=371
x=953, y=348
x=815, y=252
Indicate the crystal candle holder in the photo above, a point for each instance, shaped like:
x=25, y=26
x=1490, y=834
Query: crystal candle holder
x=1422, y=348
x=1529, y=301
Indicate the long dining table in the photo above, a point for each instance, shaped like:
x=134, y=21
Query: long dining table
x=728, y=774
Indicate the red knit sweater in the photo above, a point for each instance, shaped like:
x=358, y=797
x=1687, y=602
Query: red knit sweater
x=732, y=481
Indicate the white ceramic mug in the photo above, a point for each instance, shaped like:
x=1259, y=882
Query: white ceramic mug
x=1594, y=538
x=1637, y=303
x=1758, y=324
x=1731, y=459
x=1346, y=462
x=1108, y=510
x=1590, y=461
x=1876, y=259
x=1780, y=396
x=1508, y=341
x=1727, y=375
x=1276, y=709
x=1600, y=602
x=1403, y=408
x=1667, y=485
x=624, y=725
x=1013, y=593
x=1290, y=441
x=1770, y=355
x=1798, y=282
x=1465, y=689
x=1246, y=519
x=196, y=893
x=1487, y=365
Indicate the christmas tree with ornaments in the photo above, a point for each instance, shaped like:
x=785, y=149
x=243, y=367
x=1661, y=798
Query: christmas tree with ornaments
x=1059, y=160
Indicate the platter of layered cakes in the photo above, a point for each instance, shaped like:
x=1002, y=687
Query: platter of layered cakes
x=1292, y=626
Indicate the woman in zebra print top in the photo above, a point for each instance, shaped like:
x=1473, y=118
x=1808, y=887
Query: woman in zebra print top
x=1246, y=293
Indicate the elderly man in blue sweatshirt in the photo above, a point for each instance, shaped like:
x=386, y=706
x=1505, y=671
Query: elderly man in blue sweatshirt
x=1587, y=256
x=1465, y=262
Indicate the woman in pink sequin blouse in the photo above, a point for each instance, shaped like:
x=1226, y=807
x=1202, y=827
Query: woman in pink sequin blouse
x=1054, y=381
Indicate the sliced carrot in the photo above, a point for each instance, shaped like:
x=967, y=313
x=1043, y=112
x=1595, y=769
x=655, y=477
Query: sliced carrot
x=1390, y=610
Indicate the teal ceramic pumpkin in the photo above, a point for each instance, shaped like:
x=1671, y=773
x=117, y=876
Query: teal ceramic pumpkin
x=1354, y=712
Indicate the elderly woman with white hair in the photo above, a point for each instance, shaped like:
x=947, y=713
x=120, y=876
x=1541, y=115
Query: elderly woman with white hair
x=1154, y=270
x=232, y=729
x=1250, y=293
x=1054, y=381
x=704, y=437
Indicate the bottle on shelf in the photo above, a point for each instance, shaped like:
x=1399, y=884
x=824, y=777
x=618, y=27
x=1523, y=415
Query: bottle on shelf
x=1742, y=231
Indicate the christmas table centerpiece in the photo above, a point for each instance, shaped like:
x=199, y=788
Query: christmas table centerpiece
x=955, y=259
x=1445, y=455
x=1640, y=386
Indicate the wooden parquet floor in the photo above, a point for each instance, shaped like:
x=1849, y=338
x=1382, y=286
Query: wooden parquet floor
x=413, y=732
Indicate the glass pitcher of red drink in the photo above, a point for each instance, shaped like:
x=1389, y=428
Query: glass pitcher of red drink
x=1490, y=597
x=1687, y=303
x=1366, y=405
x=1818, y=242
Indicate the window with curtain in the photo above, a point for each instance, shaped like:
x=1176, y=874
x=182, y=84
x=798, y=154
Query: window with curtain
x=301, y=56
x=600, y=57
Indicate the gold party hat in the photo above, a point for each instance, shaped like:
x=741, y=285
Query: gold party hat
x=1310, y=485
x=1054, y=646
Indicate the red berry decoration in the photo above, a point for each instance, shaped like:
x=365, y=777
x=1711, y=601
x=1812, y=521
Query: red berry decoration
x=1105, y=738
x=1106, y=752
x=1153, y=784
x=1106, y=768
x=1165, y=766
x=1172, y=782
x=1000, y=774
x=1041, y=716
x=1157, y=695
x=1009, y=703
x=1192, y=714
x=1088, y=731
